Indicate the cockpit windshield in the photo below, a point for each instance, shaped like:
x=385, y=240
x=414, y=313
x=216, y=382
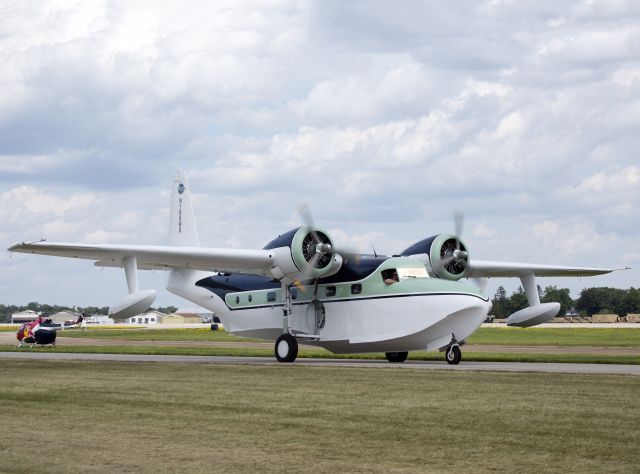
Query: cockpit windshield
x=417, y=272
x=392, y=275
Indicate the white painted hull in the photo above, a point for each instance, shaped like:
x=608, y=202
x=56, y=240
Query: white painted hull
x=400, y=323
x=372, y=325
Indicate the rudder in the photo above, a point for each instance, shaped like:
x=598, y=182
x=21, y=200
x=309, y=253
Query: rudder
x=183, y=231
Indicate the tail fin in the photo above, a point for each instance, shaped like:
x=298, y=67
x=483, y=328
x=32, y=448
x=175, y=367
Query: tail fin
x=182, y=226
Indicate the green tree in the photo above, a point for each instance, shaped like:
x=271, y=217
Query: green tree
x=552, y=294
x=518, y=300
x=501, y=308
x=594, y=300
x=631, y=301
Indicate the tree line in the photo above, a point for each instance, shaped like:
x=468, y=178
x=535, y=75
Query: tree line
x=591, y=301
x=46, y=309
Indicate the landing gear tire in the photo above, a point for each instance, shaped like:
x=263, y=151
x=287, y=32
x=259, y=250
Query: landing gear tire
x=286, y=348
x=453, y=355
x=396, y=357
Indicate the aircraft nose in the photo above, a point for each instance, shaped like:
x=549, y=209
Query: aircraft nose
x=469, y=317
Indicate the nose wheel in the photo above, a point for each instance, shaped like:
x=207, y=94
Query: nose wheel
x=453, y=354
x=286, y=348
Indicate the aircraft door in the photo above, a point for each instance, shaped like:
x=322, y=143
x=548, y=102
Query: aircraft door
x=315, y=317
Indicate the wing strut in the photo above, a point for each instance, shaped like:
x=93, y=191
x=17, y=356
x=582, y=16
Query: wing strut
x=531, y=289
x=130, y=265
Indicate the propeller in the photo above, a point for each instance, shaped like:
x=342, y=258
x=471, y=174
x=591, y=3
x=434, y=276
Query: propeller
x=317, y=246
x=455, y=256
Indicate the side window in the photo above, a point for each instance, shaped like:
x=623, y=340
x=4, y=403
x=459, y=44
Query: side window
x=294, y=293
x=237, y=299
x=271, y=296
x=330, y=291
x=390, y=276
x=356, y=289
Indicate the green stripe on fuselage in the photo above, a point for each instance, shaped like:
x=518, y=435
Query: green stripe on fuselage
x=373, y=286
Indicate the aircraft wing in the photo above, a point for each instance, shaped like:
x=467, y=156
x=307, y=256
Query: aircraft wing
x=483, y=268
x=158, y=257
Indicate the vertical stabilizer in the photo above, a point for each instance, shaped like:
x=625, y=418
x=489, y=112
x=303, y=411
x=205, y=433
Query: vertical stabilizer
x=182, y=226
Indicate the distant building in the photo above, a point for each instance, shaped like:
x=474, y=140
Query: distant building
x=99, y=319
x=181, y=319
x=150, y=317
x=205, y=315
x=62, y=316
x=24, y=317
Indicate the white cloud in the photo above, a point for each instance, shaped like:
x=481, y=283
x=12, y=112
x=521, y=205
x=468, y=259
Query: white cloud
x=384, y=119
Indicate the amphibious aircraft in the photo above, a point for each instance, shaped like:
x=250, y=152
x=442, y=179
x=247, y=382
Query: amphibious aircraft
x=302, y=287
x=42, y=331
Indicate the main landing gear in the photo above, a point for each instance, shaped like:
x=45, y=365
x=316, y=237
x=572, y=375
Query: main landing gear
x=396, y=357
x=286, y=348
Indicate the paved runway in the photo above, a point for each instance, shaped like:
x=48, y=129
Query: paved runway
x=360, y=363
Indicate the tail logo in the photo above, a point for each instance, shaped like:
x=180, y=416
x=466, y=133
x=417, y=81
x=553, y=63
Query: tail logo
x=180, y=188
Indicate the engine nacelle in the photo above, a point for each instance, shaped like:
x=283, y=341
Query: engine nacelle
x=447, y=254
x=533, y=315
x=132, y=305
x=304, y=253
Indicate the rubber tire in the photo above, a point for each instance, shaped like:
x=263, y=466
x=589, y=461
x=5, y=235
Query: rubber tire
x=453, y=355
x=292, y=349
x=396, y=357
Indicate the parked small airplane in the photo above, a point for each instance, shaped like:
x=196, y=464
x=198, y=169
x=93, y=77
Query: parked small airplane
x=300, y=286
x=42, y=331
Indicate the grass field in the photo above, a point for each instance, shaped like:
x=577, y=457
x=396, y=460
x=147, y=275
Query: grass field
x=570, y=337
x=138, y=417
x=596, y=337
x=178, y=334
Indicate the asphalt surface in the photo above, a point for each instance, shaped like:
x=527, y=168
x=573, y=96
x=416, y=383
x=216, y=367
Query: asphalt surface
x=359, y=363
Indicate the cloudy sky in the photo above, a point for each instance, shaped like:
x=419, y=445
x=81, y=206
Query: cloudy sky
x=385, y=117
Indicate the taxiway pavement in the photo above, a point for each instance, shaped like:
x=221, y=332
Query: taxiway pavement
x=360, y=363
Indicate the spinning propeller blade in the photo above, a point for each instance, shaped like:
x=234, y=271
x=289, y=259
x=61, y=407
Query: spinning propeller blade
x=458, y=256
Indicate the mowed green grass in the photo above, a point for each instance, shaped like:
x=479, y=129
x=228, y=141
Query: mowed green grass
x=177, y=334
x=595, y=337
x=571, y=337
x=145, y=417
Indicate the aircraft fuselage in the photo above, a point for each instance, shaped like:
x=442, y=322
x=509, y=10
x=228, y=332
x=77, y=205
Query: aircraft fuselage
x=371, y=313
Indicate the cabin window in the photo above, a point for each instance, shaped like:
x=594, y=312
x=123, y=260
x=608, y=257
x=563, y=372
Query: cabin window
x=271, y=296
x=294, y=293
x=237, y=300
x=250, y=298
x=330, y=291
x=356, y=289
x=390, y=276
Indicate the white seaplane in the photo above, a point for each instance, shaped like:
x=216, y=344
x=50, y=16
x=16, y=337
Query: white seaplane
x=301, y=287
